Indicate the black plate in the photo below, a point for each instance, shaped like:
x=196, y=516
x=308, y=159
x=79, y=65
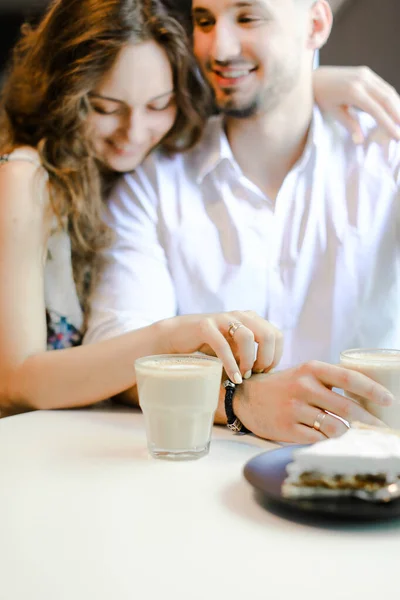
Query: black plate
x=267, y=471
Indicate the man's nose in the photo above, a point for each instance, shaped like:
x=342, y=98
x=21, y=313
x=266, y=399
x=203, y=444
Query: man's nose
x=226, y=43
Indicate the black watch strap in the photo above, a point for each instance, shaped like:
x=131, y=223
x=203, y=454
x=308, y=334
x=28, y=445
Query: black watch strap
x=232, y=422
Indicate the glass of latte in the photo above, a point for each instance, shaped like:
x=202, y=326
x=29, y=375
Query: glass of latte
x=178, y=395
x=383, y=366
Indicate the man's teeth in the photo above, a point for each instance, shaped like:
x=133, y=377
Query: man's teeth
x=234, y=74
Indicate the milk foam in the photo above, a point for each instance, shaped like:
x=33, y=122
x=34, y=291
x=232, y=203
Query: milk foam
x=382, y=359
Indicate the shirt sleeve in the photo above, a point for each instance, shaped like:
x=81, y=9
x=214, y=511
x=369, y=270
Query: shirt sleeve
x=135, y=288
x=395, y=161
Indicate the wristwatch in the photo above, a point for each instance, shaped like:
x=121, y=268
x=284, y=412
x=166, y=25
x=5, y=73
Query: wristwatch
x=232, y=422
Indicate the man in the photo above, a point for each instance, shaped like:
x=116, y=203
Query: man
x=277, y=210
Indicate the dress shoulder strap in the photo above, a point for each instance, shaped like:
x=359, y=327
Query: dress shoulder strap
x=24, y=154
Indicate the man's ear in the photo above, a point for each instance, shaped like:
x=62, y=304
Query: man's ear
x=321, y=20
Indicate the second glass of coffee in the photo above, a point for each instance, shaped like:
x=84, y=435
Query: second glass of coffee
x=383, y=366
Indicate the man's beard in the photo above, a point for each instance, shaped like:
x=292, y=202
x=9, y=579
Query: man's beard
x=260, y=104
x=264, y=101
x=230, y=109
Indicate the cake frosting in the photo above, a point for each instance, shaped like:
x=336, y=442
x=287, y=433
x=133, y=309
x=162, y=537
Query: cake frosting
x=362, y=459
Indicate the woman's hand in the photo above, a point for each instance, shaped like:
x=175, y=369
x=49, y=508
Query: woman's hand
x=338, y=90
x=230, y=336
x=285, y=405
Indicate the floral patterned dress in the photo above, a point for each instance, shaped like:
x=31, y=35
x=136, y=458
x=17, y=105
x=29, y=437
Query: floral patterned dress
x=63, y=311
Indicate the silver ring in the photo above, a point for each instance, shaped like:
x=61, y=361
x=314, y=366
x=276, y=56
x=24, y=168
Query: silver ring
x=319, y=420
x=335, y=416
x=233, y=327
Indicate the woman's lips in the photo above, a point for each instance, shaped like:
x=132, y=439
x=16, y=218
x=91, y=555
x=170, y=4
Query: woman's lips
x=123, y=150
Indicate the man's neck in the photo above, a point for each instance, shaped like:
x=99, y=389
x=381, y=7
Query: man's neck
x=267, y=146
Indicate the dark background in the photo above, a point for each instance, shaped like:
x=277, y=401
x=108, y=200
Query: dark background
x=365, y=32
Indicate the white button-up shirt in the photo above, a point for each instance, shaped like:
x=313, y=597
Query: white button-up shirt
x=322, y=262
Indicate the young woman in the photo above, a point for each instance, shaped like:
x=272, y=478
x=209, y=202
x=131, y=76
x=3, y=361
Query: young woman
x=63, y=141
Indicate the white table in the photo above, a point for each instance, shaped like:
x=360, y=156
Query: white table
x=86, y=515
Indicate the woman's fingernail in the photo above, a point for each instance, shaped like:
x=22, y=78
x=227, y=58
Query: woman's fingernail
x=258, y=372
x=389, y=399
x=247, y=375
x=357, y=138
x=237, y=378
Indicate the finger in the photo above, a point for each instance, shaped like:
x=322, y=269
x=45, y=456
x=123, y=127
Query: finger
x=270, y=349
x=306, y=435
x=374, y=95
x=349, y=119
x=269, y=340
x=279, y=342
x=330, y=425
x=320, y=397
x=376, y=106
x=211, y=335
x=244, y=340
x=387, y=96
x=352, y=382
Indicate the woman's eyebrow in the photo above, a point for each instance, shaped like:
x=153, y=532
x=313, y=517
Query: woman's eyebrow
x=110, y=99
x=101, y=97
x=163, y=95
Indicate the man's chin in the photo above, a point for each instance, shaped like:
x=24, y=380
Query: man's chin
x=239, y=112
x=236, y=108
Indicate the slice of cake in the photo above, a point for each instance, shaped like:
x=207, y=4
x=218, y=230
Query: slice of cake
x=364, y=462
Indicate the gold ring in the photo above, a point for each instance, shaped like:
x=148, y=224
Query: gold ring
x=233, y=327
x=319, y=420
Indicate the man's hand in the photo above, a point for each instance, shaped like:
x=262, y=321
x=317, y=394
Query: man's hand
x=284, y=405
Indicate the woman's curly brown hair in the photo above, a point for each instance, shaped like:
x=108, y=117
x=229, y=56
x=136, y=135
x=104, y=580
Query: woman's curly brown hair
x=44, y=104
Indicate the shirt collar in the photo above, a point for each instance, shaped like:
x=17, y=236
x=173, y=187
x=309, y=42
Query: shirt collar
x=214, y=147
x=212, y=150
x=315, y=138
